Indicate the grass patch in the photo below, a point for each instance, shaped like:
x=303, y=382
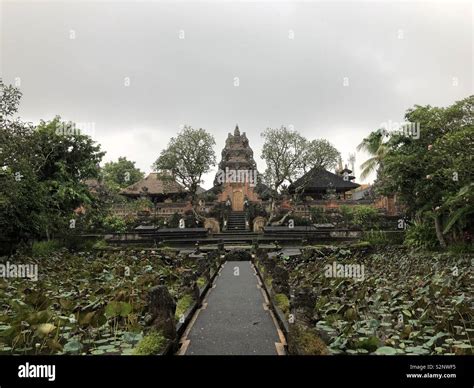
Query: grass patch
x=44, y=248
x=283, y=303
x=360, y=244
x=375, y=237
x=184, y=303
x=269, y=282
x=460, y=248
x=152, y=343
x=201, y=282
x=100, y=244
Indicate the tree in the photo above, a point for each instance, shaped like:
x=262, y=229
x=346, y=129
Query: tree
x=432, y=174
x=374, y=145
x=42, y=172
x=188, y=157
x=19, y=214
x=63, y=159
x=288, y=155
x=282, y=151
x=121, y=173
x=319, y=153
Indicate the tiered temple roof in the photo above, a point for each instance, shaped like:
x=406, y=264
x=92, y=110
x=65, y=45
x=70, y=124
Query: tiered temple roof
x=153, y=186
x=237, y=154
x=318, y=180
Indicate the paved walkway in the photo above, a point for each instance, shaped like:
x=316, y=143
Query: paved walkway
x=234, y=319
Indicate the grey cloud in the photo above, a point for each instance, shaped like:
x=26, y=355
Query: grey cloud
x=285, y=81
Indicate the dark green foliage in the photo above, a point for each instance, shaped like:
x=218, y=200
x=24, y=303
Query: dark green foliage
x=188, y=156
x=173, y=221
x=86, y=303
x=365, y=217
x=412, y=302
x=152, y=344
x=44, y=248
x=375, y=237
x=319, y=215
x=421, y=234
x=121, y=173
x=114, y=224
x=432, y=175
x=42, y=173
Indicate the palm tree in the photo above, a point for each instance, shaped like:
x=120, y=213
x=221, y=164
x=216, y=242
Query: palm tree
x=375, y=146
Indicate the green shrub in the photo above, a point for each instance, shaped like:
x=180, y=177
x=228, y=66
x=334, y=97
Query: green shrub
x=421, y=234
x=461, y=248
x=365, y=216
x=319, y=215
x=78, y=243
x=173, y=221
x=115, y=224
x=152, y=343
x=44, y=248
x=347, y=213
x=375, y=237
x=100, y=244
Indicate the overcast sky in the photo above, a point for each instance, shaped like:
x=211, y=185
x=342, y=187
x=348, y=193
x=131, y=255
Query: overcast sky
x=123, y=71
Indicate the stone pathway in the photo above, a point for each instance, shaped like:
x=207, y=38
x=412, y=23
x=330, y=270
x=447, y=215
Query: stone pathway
x=234, y=319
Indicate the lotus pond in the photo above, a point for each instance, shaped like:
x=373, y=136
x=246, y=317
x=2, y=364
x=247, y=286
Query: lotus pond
x=407, y=303
x=86, y=303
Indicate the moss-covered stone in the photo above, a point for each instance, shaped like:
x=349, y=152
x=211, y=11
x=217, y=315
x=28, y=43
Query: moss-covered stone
x=201, y=282
x=152, y=343
x=283, y=303
x=305, y=341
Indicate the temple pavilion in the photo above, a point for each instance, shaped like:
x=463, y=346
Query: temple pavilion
x=155, y=188
x=319, y=182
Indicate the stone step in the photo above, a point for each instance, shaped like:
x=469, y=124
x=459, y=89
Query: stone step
x=237, y=234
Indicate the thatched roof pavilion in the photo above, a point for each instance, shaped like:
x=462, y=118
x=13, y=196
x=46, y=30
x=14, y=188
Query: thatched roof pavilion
x=155, y=187
x=318, y=181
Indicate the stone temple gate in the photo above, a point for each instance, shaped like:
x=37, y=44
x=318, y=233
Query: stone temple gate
x=237, y=173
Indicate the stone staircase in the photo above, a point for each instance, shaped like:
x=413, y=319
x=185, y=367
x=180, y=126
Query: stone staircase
x=236, y=222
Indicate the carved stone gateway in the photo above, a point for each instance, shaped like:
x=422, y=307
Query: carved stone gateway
x=237, y=173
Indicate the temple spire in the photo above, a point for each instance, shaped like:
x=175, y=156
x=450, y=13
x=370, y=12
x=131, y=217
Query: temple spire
x=236, y=130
